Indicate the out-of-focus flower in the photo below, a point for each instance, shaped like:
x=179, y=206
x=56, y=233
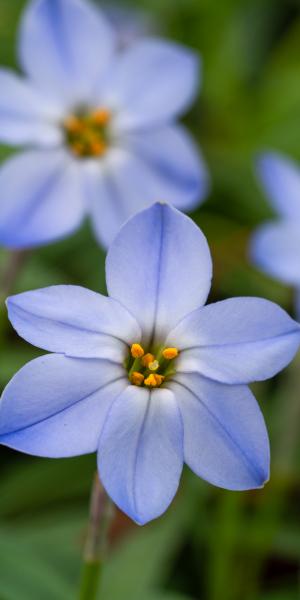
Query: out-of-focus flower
x=98, y=127
x=148, y=377
x=275, y=246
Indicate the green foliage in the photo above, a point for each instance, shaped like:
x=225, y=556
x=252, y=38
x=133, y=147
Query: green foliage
x=211, y=544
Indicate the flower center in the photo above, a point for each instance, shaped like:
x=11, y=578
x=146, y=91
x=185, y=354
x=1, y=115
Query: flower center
x=147, y=369
x=86, y=133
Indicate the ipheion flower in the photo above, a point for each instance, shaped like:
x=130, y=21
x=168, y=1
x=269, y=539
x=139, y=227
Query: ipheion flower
x=148, y=377
x=97, y=127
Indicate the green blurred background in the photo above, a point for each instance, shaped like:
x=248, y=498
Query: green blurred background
x=211, y=544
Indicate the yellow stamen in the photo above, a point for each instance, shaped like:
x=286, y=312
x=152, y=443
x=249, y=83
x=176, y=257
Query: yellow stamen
x=147, y=359
x=78, y=148
x=137, y=351
x=100, y=116
x=136, y=378
x=153, y=366
x=170, y=353
x=74, y=125
x=97, y=148
x=154, y=380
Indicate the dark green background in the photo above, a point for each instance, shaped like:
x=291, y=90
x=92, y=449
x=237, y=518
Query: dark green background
x=211, y=544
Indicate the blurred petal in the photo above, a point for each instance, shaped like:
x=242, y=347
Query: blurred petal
x=130, y=24
x=26, y=116
x=237, y=340
x=55, y=406
x=112, y=193
x=152, y=82
x=41, y=198
x=65, y=47
x=281, y=180
x=75, y=321
x=225, y=437
x=159, y=165
x=275, y=248
x=141, y=452
x=173, y=169
x=159, y=267
x=297, y=304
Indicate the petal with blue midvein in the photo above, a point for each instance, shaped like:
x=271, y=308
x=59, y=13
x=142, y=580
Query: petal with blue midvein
x=141, y=452
x=41, y=198
x=159, y=267
x=225, y=437
x=75, y=321
x=55, y=406
x=66, y=47
x=238, y=340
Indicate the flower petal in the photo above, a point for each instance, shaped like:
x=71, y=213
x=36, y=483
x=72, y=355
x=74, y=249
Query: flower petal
x=112, y=193
x=225, y=437
x=55, y=406
x=141, y=452
x=281, y=180
x=236, y=341
x=173, y=169
x=297, y=304
x=26, y=116
x=77, y=47
x=75, y=321
x=152, y=82
x=275, y=248
x=41, y=198
x=159, y=267
x=154, y=166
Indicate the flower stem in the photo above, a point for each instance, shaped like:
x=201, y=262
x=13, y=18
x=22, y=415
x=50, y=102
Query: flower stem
x=101, y=512
x=11, y=271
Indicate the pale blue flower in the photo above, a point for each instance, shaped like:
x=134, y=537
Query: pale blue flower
x=146, y=421
x=97, y=127
x=275, y=246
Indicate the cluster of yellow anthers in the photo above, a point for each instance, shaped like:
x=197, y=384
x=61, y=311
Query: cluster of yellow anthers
x=86, y=133
x=145, y=366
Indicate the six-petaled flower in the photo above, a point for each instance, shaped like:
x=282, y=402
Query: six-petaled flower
x=148, y=377
x=97, y=127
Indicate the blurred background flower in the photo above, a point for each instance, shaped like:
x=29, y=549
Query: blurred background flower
x=275, y=246
x=97, y=127
x=211, y=544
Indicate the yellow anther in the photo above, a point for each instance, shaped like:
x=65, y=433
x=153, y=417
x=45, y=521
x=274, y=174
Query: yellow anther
x=137, y=351
x=77, y=148
x=136, y=378
x=97, y=148
x=170, y=353
x=74, y=125
x=154, y=380
x=147, y=359
x=153, y=366
x=101, y=116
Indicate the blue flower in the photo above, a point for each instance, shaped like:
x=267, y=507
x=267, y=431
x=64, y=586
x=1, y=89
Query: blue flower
x=275, y=246
x=148, y=377
x=97, y=126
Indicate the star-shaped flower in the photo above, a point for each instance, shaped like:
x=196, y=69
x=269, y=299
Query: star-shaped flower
x=275, y=246
x=148, y=377
x=97, y=126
